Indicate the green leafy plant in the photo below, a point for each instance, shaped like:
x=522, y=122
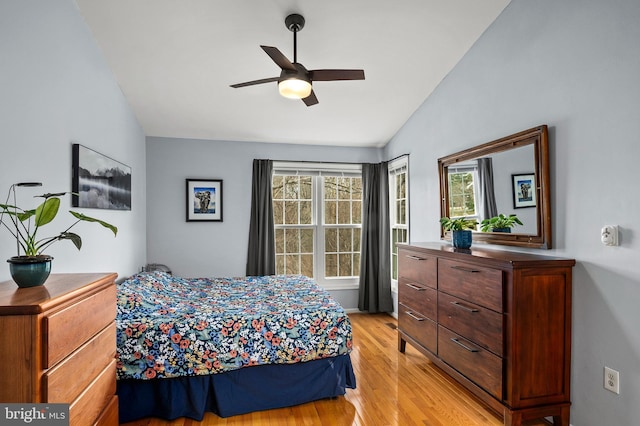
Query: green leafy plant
x=25, y=225
x=500, y=221
x=458, y=224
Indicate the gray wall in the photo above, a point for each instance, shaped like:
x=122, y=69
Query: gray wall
x=55, y=90
x=574, y=65
x=205, y=249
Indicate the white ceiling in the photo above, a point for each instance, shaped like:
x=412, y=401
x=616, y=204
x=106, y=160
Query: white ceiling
x=174, y=61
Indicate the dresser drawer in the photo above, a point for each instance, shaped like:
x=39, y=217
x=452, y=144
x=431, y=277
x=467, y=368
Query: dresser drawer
x=109, y=416
x=476, y=284
x=87, y=408
x=419, y=297
x=480, y=325
x=68, y=329
x=477, y=364
x=68, y=379
x=420, y=328
x=419, y=268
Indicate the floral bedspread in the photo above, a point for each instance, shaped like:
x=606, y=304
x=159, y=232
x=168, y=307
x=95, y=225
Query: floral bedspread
x=169, y=326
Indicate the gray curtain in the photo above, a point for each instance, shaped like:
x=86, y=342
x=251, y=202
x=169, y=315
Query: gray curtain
x=487, y=196
x=261, y=255
x=375, y=262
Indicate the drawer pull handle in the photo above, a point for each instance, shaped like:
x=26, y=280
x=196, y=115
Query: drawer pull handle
x=464, y=308
x=462, y=268
x=459, y=343
x=415, y=287
x=415, y=257
x=413, y=316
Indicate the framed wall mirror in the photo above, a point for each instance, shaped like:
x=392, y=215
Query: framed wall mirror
x=506, y=176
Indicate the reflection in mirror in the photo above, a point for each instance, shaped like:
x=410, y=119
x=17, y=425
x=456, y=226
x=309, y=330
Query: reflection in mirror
x=507, y=176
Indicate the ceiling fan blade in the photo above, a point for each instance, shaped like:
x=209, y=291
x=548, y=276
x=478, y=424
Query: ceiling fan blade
x=279, y=58
x=311, y=99
x=331, y=75
x=251, y=83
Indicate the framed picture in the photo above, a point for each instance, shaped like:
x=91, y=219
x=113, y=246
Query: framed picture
x=204, y=200
x=98, y=181
x=524, y=190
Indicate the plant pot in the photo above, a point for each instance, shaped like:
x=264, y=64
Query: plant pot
x=507, y=230
x=461, y=239
x=30, y=271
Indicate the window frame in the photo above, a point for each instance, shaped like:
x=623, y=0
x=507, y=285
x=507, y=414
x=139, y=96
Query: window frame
x=397, y=166
x=318, y=171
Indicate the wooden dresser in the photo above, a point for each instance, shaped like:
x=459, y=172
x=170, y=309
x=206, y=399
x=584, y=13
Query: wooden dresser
x=58, y=344
x=499, y=322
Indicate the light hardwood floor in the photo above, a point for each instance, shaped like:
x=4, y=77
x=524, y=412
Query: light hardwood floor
x=392, y=389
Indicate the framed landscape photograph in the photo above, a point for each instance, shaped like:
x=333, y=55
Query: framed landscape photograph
x=204, y=200
x=98, y=181
x=524, y=190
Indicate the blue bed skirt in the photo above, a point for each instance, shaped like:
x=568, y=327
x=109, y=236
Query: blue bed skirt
x=235, y=392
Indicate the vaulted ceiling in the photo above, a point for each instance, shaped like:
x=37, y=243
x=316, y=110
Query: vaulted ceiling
x=174, y=61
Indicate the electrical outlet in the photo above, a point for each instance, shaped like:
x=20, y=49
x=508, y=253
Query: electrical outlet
x=611, y=380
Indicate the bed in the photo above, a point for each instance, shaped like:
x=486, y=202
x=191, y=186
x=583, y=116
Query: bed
x=227, y=345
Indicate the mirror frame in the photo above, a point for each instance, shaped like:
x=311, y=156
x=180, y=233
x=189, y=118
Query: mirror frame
x=538, y=136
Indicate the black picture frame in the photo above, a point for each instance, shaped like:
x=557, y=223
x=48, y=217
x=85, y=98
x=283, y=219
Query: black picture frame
x=98, y=181
x=524, y=190
x=204, y=200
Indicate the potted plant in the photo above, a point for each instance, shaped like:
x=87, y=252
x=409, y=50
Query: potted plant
x=460, y=228
x=500, y=223
x=31, y=267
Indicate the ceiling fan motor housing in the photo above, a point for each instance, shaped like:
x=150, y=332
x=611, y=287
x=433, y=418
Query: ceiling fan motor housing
x=294, y=22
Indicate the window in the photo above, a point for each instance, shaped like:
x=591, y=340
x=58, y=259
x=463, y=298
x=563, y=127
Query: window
x=462, y=191
x=318, y=220
x=398, y=209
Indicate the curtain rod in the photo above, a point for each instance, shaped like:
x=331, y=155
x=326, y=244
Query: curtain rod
x=325, y=162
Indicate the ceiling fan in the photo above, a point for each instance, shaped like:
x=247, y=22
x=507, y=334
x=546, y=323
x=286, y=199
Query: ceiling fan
x=295, y=81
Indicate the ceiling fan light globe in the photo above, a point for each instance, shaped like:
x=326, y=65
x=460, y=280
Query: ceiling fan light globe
x=294, y=88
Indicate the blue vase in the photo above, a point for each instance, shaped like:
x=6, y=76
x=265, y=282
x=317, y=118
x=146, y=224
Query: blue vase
x=30, y=271
x=461, y=239
x=507, y=230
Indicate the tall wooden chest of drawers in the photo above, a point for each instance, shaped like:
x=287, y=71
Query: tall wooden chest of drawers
x=58, y=345
x=499, y=322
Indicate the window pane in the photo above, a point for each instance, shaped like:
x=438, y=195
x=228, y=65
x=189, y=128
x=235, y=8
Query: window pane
x=330, y=213
x=401, y=213
x=292, y=240
x=306, y=265
x=344, y=240
x=356, y=188
x=356, y=212
x=344, y=188
x=462, y=199
x=356, y=264
x=305, y=187
x=276, y=187
x=330, y=240
x=345, y=267
x=291, y=212
x=279, y=264
x=292, y=264
x=306, y=215
x=278, y=213
x=279, y=235
x=356, y=240
x=306, y=241
x=344, y=212
x=331, y=265
x=330, y=188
